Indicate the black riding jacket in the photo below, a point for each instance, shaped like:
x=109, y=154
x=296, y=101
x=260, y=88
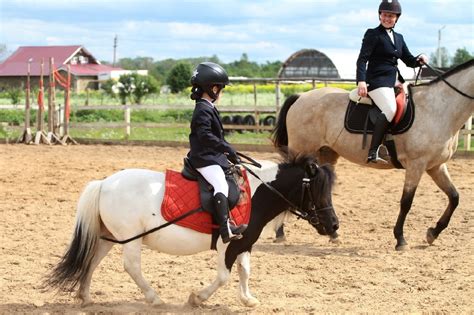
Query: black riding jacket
x=207, y=137
x=382, y=56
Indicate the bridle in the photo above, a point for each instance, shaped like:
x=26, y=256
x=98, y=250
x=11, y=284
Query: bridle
x=308, y=213
x=441, y=77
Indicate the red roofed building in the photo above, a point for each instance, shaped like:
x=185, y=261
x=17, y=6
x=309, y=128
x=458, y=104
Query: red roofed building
x=85, y=68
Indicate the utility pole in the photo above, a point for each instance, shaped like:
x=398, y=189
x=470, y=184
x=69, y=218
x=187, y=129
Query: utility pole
x=115, y=50
x=439, y=63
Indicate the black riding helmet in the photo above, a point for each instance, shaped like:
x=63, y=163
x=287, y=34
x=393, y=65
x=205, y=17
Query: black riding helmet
x=392, y=6
x=205, y=76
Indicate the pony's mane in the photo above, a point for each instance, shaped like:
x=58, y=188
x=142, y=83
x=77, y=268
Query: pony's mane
x=450, y=72
x=293, y=160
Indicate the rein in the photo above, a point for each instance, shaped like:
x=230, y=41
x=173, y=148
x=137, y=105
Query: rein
x=297, y=212
x=441, y=76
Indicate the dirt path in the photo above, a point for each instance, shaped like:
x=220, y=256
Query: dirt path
x=40, y=185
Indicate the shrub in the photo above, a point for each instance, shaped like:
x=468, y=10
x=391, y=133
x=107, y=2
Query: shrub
x=179, y=77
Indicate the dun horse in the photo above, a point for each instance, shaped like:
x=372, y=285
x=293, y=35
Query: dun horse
x=128, y=203
x=313, y=123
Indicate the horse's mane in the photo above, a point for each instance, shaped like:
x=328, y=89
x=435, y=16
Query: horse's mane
x=450, y=72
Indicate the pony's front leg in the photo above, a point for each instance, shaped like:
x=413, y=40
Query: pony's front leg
x=243, y=267
x=197, y=298
x=132, y=265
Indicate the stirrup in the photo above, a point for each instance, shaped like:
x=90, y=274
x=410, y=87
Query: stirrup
x=375, y=158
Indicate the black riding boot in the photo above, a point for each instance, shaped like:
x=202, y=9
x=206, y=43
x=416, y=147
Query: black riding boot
x=381, y=125
x=228, y=231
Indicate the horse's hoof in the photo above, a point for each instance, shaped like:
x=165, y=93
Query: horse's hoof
x=86, y=303
x=280, y=239
x=250, y=302
x=402, y=247
x=430, y=236
x=153, y=299
x=194, y=299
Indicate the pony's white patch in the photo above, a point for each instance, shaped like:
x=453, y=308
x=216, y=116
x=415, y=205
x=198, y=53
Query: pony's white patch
x=155, y=188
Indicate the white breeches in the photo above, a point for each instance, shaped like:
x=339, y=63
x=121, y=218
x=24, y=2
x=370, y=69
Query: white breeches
x=384, y=97
x=214, y=174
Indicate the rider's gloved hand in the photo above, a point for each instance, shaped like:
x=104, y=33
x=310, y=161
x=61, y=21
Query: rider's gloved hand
x=233, y=157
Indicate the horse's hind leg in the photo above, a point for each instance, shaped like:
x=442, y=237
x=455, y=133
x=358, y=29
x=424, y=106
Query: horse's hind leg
x=243, y=267
x=132, y=265
x=197, y=298
x=441, y=177
x=83, y=292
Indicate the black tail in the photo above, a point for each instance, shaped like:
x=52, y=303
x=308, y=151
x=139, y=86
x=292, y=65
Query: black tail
x=280, y=134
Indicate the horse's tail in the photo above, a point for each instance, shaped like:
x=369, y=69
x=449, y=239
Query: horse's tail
x=279, y=133
x=74, y=266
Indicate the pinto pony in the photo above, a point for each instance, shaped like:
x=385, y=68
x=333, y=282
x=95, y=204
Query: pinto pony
x=128, y=203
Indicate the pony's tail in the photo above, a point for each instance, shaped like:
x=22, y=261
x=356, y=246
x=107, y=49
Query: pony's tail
x=279, y=133
x=74, y=266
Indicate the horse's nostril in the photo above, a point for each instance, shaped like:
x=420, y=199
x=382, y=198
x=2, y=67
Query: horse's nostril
x=335, y=227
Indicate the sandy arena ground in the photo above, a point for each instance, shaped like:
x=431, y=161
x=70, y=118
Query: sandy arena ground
x=40, y=185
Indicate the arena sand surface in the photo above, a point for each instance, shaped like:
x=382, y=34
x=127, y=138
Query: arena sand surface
x=40, y=186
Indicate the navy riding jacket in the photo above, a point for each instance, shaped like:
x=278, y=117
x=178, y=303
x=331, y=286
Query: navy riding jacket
x=207, y=137
x=382, y=56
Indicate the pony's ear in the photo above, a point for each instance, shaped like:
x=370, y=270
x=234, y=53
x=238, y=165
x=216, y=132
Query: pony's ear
x=312, y=168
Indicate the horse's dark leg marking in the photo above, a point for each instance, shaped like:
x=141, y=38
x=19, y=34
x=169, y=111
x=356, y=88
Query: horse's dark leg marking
x=440, y=176
x=405, y=205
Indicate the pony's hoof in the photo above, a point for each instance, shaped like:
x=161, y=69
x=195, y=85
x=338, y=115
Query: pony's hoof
x=157, y=302
x=280, y=239
x=153, y=299
x=194, y=299
x=430, y=236
x=250, y=302
x=86, y=303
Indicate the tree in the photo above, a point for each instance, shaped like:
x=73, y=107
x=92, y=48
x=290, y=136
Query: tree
x=461, y=55
x=179, y=77
x=133, y=87
x=443, y=53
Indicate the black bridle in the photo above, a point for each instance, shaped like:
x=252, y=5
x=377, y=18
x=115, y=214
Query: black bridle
x=309, y=213
x=441, y=77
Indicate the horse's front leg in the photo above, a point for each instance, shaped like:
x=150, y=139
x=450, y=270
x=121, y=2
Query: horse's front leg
x=440, y=176
x=223, y=273
x=243, y=267
x=132, y=265
x=412, y=179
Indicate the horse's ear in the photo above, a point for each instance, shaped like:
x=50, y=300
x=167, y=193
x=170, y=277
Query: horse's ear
x=312, y=168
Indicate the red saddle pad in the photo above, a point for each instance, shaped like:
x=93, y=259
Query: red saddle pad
x=182, y=195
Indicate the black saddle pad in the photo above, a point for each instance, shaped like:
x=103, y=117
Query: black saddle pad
x=359, y=119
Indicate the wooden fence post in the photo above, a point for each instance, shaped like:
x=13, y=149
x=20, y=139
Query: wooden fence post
x=127, y=120
x=41, y=136
x=52, y=119
x=277, y=94
x=26, y=136
x=467, y=136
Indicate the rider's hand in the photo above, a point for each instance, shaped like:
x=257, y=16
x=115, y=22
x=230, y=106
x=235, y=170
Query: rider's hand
x=422, y=59
x=233, y=157
x=362, y=89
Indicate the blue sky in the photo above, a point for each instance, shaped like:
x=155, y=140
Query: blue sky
x=265, y=30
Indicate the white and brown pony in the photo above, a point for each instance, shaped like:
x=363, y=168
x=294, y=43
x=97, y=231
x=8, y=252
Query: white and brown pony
x=313, y=123
x=125, y=205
